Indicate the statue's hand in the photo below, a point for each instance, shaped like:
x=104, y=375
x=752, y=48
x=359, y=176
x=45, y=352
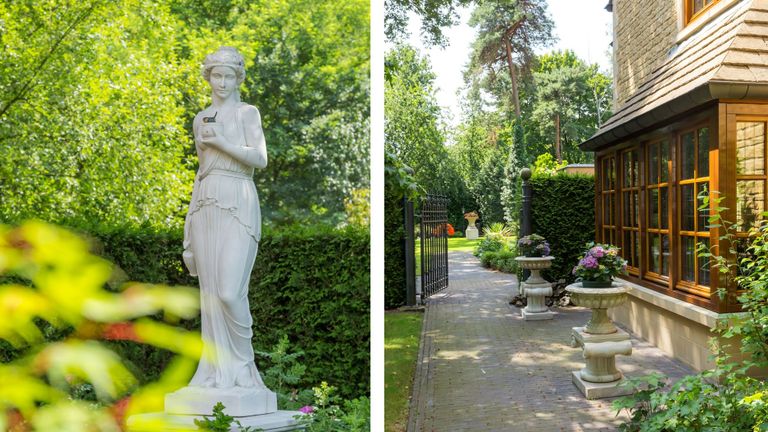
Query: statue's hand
x=211, y=136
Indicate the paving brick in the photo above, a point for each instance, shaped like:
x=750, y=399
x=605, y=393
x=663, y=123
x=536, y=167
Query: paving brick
x=482, y=368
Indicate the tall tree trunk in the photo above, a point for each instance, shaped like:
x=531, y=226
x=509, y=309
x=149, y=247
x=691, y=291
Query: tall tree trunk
x=512, y=76
x=558, y=153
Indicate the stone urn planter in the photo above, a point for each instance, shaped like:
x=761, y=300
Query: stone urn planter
x=600, y=340
x=471, y=231
x=536, y=288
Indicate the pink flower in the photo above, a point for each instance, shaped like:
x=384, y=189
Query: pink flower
x=306, y=409
x=589, y=262
x=597, y=252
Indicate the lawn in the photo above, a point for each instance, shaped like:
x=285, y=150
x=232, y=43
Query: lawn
x=401, y=346
x=462, y=244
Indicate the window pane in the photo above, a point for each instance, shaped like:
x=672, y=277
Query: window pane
x=750, y=148
x=697, y=5
x=636, y=250
x=654, y=253
x=635, y=169
x=608, y=209
x=703, y=149
x=653, y=206
x=665, y=255
x=626, y=247
x=664, y=159
x=612, y=170
x=750, y=203
x=703, y=222
x=627, y=168
x=688, y=258
x=653, y=164
x=688, y=212
x=663, y=214
x=606, y=174
x=704, y=264
x=628, y=210
x=636, y=207
x=687, y=156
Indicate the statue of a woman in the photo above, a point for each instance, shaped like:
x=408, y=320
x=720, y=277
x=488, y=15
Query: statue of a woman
x=223, y=225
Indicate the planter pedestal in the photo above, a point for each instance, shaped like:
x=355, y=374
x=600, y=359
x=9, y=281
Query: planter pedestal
x=471, y=233
x=535, y=288
x=600, y=341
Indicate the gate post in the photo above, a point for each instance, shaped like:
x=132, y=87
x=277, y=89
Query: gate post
x=410, y=251
x=525, y=210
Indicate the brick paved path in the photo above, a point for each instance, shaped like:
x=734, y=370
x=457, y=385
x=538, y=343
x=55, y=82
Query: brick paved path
x=482, y=368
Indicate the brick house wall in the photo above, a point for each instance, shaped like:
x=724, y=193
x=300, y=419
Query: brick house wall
x=644, y=31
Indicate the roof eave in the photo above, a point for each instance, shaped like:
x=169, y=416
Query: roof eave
x=710, y=91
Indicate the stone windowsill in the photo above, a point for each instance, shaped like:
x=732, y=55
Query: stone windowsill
x=692, y=312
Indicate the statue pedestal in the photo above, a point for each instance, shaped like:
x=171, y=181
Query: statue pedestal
x=277, y=421
x=471, y=233
x=255, y=407
x=537, y=310
x=239, y=401
x=600, y=378
x=536, y=289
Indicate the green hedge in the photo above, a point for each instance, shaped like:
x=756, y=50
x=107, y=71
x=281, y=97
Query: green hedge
x=309, y=283
x=394, y=250
x=563, y=211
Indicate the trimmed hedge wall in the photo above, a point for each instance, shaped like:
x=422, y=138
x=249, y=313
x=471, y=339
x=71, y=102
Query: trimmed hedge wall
x=394, y=250
x=309, y=283
x=563, y=211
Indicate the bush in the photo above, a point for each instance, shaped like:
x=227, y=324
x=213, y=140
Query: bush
x=488, y=257
x=310, y=284
x=563, y=211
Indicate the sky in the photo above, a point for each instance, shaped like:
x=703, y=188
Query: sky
x=583, y=26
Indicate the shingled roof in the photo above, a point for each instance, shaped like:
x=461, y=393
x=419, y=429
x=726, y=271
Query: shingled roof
x=727, y=58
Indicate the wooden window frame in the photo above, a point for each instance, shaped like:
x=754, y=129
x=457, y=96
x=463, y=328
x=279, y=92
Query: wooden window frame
x=634, y=189
x=608, y=187
x=649, y=231
x=690, y=16
x=692, y=287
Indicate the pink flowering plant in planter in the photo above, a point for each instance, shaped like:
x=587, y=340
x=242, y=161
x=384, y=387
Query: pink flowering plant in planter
x=533, y=245
x=601, y=263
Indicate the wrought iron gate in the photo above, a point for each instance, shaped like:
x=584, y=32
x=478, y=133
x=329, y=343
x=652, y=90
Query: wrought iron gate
x=434, y=245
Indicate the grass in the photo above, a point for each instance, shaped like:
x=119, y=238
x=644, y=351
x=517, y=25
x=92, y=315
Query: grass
x=401, y=346
x=462, y=244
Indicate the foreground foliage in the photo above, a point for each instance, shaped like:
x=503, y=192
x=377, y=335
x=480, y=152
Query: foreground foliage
x=59, y=290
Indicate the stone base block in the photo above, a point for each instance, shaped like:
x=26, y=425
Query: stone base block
x=238, y=401
x=537, y=316
x=592, y=390
x=472, y=233
x=275, y=422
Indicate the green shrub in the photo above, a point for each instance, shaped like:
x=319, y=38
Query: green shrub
x=563, y=211
x=502, y=258
x=488, y=257
x=311, y=284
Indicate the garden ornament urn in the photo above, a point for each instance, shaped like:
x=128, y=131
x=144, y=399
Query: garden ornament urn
x=221, y=238
x=471, y=231
x=600, y=340
x=536, y=289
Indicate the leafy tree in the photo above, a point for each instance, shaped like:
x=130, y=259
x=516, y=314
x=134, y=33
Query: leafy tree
x=89, y=124
x=97, y=100
x=435, y=15
x=307, y=66
x=571, y=100
x=508, y=33
x=413, y=128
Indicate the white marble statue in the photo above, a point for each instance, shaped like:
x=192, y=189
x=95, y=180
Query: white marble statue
x=223, y=225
